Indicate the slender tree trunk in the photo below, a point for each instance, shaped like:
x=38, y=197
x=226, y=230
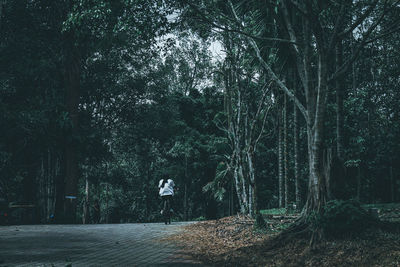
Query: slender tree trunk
x=327, y=165
x=244, y=188
x=42, y=184
x=239, y=189
x=107, y=219
x=250, y=201
x=253, y=209
x=28, y=184
x=229, y=213
x=86, y=215
x=339, y=84
x=185, y=198
x=60, y=192
x=358, y=182
x=72, y=103
x=285, y=150
x=240, y=182
x=2, y=3
x=296, y=150
x=392, y=184
x=231, y=200
x=280, y=156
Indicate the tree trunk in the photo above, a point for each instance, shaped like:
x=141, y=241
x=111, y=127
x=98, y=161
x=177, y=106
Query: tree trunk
x=280, y=157
x=72, y=102
x=358, y=182
x=244, y=188
x=250, y=201
x=239, y=189
x=296, y=149
x=253, y=209
x=107, y=217
x=185, y=197
x=392, y=183
x=285, y=151
x=46, y=180
x=327, y=165
x=86, y=215
x=339, y=84
x=60, y=192
x=317, y=196
x=2, y=2
x=231, y=204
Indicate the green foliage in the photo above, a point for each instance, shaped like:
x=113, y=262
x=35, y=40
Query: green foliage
x=277, y=211
x=150, y=103
x=341, y=218
x=198, y=219
x=217, y=186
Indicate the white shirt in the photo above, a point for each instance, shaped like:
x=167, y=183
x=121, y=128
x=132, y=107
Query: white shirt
x=168, y=189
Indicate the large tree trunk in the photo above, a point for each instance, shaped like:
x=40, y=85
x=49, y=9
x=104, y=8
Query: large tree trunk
x=317, y=190
x=317, y=194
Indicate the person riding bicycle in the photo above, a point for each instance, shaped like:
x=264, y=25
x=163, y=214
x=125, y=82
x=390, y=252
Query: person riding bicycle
x=166, y=191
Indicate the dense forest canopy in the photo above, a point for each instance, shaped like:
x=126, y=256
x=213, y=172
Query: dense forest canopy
x=101, y=99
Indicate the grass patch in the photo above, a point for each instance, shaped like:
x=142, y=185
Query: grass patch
x=382, y=206
x=278, y=211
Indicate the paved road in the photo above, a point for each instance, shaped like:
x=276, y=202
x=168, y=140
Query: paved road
x=91, y=245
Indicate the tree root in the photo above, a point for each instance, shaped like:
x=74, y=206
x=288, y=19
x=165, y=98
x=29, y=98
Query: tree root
x=299, y=229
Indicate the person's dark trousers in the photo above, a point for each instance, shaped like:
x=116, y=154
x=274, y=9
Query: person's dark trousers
x=167, y=204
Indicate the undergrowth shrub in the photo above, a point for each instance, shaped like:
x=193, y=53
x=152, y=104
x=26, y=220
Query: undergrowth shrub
x=259, y=223
x=342, y=218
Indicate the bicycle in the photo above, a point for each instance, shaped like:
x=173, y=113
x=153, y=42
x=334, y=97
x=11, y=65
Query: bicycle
x=166, y=211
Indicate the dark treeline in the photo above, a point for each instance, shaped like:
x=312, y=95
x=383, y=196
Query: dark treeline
x=101, y=99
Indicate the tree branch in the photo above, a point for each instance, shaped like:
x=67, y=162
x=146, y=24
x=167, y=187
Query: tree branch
x=299, y=8
x=338, y=25
x=382, y=36
x=206, y=19
x=265, y=90
x=291, y=32
x=262, y=128
x=359, y=20
x=342, y=69
x=271, y=72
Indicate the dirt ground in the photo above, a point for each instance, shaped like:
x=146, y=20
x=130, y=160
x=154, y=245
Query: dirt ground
x=232, y=241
